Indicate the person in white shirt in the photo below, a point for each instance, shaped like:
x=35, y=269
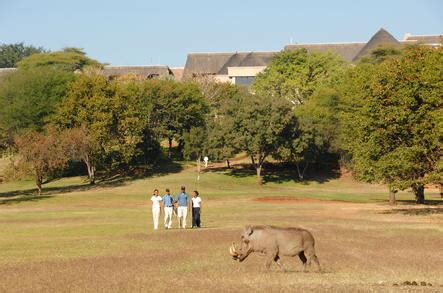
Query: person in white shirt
x=196, y=209
x=156, y=208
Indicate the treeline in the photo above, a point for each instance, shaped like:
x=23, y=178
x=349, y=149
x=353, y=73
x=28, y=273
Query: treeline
x=382, y=116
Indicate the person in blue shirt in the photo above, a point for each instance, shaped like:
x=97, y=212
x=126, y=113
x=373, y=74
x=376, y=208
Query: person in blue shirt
x=183, y=207
x=168, y=206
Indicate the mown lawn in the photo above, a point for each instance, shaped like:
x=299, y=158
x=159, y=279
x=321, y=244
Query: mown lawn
x=75, y=237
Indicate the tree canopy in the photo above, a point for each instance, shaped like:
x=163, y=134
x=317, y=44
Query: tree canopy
x=27, y=97
x=390, y=117
x=296, y=75
x=69, y=59
x=11, y=54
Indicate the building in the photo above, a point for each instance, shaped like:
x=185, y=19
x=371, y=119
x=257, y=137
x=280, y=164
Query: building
x=356, y=50
x=237, y=67
x=142, y=72
x=5, y=71
x=242, y=67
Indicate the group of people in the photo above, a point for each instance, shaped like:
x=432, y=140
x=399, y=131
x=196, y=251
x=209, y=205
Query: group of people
x=180, y=205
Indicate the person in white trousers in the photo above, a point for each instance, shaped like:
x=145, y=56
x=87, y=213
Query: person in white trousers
x=156, y=208
x=168, y=206
x=183, y=206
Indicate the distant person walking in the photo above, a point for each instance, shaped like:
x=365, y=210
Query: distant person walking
x=156, y=208
x=183, y=206
x=196, y=209
x=168, y=206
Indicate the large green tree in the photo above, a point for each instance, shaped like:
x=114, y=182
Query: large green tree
x=116, y=117
x=391, y=120
x=69, y=59
x=314, y=137
x=307, y=80
x=27, y=97
x=261, y=125
x=10, y=54
x=296, y=75
x=177, y=108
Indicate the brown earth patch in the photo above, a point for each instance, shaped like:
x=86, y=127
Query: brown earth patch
x=288, y=199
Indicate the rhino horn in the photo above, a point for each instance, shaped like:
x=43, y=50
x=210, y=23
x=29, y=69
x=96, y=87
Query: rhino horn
x=232, y=250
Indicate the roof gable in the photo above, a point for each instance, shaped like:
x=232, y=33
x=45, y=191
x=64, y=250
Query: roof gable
x=346, y=50
x=218, y=63
x=381, y=38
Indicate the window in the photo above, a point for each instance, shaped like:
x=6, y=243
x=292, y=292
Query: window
x=244, y=80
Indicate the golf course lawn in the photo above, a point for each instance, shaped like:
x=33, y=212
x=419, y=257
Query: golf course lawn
x=77, y=237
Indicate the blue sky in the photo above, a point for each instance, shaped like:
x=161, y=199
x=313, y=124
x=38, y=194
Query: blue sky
x=163, y=32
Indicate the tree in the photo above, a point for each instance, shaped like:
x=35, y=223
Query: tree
x=390, y=118
x=307, y=81
x=41, y=154
x=178, y=107
x=261, y=125
x=70, y=59
x=296, y=75
x=90, y=104
x=80, y=146
x=315, y=135
x=116, y=116
x=10, y=54
x=381, y=54
x=28, y=97
x=220, y=141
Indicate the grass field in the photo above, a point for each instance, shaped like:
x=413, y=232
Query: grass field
x=80, y=238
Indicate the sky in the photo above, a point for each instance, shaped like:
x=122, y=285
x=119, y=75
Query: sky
x=129, y=32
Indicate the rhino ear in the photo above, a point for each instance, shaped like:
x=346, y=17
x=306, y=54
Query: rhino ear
x=248, y=230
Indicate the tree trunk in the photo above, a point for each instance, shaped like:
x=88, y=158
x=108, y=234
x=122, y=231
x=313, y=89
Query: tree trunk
x=259, y=178
x=419, y=191
x=39, y=182
x=392, y=192
x=170, y=147
x=228, y=164
x=198, y=167
x=91, y=170
x=301, y=174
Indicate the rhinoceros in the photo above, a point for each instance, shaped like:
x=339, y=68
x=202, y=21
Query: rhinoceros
x=274, y=242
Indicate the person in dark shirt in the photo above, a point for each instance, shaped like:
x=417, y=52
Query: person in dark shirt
x=196, y=209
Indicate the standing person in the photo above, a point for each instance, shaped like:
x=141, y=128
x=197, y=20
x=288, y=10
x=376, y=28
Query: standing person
x=156, y=208
x=183, y=206
x=168, y=205
x=196, y=209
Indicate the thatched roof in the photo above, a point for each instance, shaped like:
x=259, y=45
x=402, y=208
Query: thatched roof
x=355, y=51
x=424, y=39
x=218, y=63
x=5, y=71
x=143, y=71
x=347, y=50
x=177, y=72
x=381, y=38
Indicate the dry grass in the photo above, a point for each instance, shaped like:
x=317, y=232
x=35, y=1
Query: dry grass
x=101, y=239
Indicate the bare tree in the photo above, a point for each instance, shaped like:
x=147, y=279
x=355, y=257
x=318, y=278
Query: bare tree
x=41, y=154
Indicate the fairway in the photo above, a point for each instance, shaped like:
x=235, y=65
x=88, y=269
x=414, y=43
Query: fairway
x=100, y=239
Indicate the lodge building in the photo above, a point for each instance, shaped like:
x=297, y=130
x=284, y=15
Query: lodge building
x=240, y=68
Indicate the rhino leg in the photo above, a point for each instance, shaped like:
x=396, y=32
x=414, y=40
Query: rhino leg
x=277, y=259
x=310, y=256
x=271, y=255
x=302, y=257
